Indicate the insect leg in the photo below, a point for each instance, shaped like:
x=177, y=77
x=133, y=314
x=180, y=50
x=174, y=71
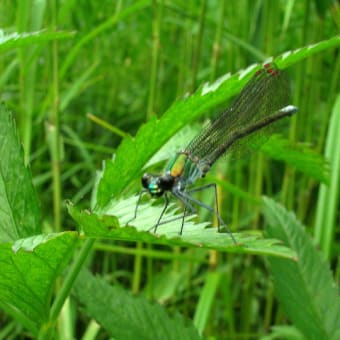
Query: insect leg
x=137, y=205
x=186, y=197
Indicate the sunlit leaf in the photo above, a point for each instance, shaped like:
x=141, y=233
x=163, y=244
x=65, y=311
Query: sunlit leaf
x=194, y=235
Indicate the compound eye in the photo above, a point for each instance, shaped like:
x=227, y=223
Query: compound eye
x=146, y=179
x=166, y=182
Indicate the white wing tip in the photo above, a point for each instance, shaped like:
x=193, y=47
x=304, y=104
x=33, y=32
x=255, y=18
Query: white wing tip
x=289, y=109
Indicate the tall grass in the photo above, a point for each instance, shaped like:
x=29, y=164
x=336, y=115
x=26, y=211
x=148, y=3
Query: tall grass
x=127, y=63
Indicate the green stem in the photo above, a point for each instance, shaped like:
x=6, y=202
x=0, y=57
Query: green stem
x=47, y=330
x=137, y=269
x=54, y=120
x=217, y=43
x=197, y=51
x=115, y=130
x=71, y=276
x=156, y=23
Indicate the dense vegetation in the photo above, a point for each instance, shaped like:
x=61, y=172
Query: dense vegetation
x=79, y=79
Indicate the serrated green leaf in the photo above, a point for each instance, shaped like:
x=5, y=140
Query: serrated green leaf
x=134, y=153
x=30, y=243
x=29, y=268
x=14, y=40
x=194, y=235
x=125, y=316
x=20, y=212
x=305, y=288
x=291, y=57
x=298, y=156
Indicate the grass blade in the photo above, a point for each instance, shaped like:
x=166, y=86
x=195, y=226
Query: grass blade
x=329, y=195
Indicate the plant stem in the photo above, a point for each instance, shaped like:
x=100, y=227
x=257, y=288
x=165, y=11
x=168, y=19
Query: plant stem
x=65, y=290
x=54, y=120
x=197, y=51
x=156, y=23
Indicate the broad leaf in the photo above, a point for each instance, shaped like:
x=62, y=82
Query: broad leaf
x=195, y=235
x=29, y=268
x=125, y=316
x=305, y=288
x=20, y=212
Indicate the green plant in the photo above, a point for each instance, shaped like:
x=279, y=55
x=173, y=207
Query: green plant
x=50, y=80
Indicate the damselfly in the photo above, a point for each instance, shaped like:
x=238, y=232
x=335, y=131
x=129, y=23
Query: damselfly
x=262, y=102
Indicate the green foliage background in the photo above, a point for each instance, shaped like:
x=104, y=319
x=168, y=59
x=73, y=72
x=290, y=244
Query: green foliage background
x=81, y=78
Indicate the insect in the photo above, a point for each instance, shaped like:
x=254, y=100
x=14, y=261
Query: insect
x=262, y=102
